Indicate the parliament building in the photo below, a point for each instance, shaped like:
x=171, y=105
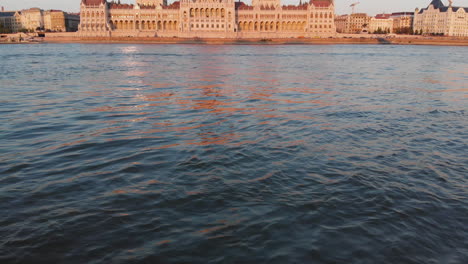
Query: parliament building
x=207, y=19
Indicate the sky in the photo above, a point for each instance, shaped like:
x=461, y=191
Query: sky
x=371, y=7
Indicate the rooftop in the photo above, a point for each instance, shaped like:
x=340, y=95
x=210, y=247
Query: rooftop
x=438, y=4
x=93, y=2
x=7, y=14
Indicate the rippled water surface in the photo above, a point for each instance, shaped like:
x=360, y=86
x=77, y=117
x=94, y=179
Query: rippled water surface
x=233, y=154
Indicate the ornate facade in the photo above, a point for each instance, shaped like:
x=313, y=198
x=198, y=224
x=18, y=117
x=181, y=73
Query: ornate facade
x=207, y=19
x=440, y=19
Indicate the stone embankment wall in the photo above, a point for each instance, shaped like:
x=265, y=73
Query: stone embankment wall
x=341, y=39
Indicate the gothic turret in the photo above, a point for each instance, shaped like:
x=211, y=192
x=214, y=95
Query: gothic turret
x=266, y=3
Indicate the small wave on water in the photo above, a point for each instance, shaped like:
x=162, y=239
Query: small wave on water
x=233, y=154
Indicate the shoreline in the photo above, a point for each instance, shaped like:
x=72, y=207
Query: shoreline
x=259, y=41
x=342, y=40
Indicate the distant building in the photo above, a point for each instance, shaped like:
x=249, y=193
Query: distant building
x=208, y=19
x=10, y=21
x=381, y=23
x=403, y=22
x=72, y=22
x=352, y=24
x=32, y=19
x=341, y=23
x=54, y=20
x=439, y=19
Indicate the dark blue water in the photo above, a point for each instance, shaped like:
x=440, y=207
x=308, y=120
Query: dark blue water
x=233, y=154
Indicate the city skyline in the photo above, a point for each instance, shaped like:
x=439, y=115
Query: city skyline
x=342, y=6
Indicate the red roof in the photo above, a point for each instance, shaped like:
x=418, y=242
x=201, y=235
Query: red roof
x=121, y=6
x=93, y=2
x=175, y=5
x=321, y=3
x=243, y=6
x=293, y=7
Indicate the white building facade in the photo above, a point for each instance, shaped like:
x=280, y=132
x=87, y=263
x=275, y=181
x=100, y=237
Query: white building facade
x=439, y=19
x=381, y=23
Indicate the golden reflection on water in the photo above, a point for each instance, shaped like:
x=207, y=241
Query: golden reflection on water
x=216, y=90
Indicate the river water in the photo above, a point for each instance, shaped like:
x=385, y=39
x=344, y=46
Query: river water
x=233, y=154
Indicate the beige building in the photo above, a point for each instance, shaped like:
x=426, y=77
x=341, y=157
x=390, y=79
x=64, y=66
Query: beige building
x=54, y=20
x=440, y=19
x=403, y=22
x=341, y=23
x=32, y=19
x=208, y=19
x=382, y=23
x=352, y=24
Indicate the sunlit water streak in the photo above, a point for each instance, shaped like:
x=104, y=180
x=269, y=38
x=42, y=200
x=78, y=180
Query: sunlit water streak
x=233, y=154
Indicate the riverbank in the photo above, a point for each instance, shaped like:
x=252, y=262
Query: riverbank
x=340, y=39
x=348, y=39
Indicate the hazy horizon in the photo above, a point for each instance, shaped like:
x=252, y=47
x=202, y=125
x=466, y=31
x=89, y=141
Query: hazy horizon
x=342, y=6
